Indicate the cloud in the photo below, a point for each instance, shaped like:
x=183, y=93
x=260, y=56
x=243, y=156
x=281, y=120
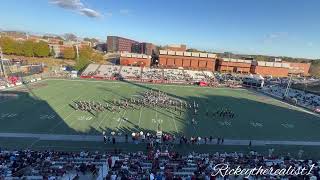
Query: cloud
x=124, y=11
x=109, y=14
x=310, y=44
x=275, y=37
x=89, y=12
x=77, y=6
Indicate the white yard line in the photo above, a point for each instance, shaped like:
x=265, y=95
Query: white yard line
x=157, y=123
x=140, y=117
x=174, y=122
x=18, y=97
x=103, y=119
x=181, y=86
x=58, y=99
x=62, y=121
x=121, y=118
x=6, y=100
x=76, y=120
x=33, y=143
x=56, y=110
x=111, y=119
x=53, y=97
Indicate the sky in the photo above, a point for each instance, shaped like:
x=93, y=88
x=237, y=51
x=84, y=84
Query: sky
x=269, y=27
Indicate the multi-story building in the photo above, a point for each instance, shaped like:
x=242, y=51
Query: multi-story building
x=296, y=68
x=276, y=69
x=143, y=48
x=301, y=69
x=187, y=60
x=234, y=65
x=132, y=59
x=119, y=44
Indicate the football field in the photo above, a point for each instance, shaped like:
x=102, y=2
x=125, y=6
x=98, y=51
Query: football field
x=44, y=107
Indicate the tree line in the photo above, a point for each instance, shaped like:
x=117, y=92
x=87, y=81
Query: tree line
x=24, y=48
x=30, y=48
x=86, y=55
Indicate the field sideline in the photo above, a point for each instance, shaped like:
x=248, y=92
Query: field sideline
x=44, y=108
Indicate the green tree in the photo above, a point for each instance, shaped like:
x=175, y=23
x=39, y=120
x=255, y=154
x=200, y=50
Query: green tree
x=97, y=57
x=262, y=58
x=85, y=53
x=70, y=37
x=7, y=45
x=81, y=64
x=27, y=48
x=17, y=48
x=84, y=59
x=41, y=49
x=92, y=40
x=52, y=53
x=315, y=68
x=68, y=53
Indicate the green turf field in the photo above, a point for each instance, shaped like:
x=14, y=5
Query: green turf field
x=44, y=108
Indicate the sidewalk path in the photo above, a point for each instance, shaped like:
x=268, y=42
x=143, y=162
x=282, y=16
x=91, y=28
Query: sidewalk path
x=95, y=138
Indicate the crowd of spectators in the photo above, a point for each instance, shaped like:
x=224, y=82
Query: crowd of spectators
x=3, y=83
x=131, y=72
x=175, y=75
x=151, y=74
x=148, y=74
x=157, y=164
x=298, y=97
x=172, y=165
x=48, y=164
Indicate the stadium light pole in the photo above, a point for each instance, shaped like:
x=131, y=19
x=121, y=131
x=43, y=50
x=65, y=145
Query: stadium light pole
x=77, y=49
x=2, y=67
x=288, y=86
x=225, y=75
x=1, y=56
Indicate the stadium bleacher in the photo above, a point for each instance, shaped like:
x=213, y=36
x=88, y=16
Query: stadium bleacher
x=195, y=75
x=48, y=164
x=91, y=70
x=152, y=74
x=298, y=97
x=155, y=164
x=108, y=70
x=146, y=73
x=130, y=72
x=174, y=75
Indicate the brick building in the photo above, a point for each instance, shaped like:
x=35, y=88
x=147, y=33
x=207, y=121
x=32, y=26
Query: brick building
x=143, y=48
x=119, y=44
x=176, y=47
x=275, y=69
x=187, y=60
x=130, y=59
x=56, y=41
x=299, y=68
x=229, y=65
